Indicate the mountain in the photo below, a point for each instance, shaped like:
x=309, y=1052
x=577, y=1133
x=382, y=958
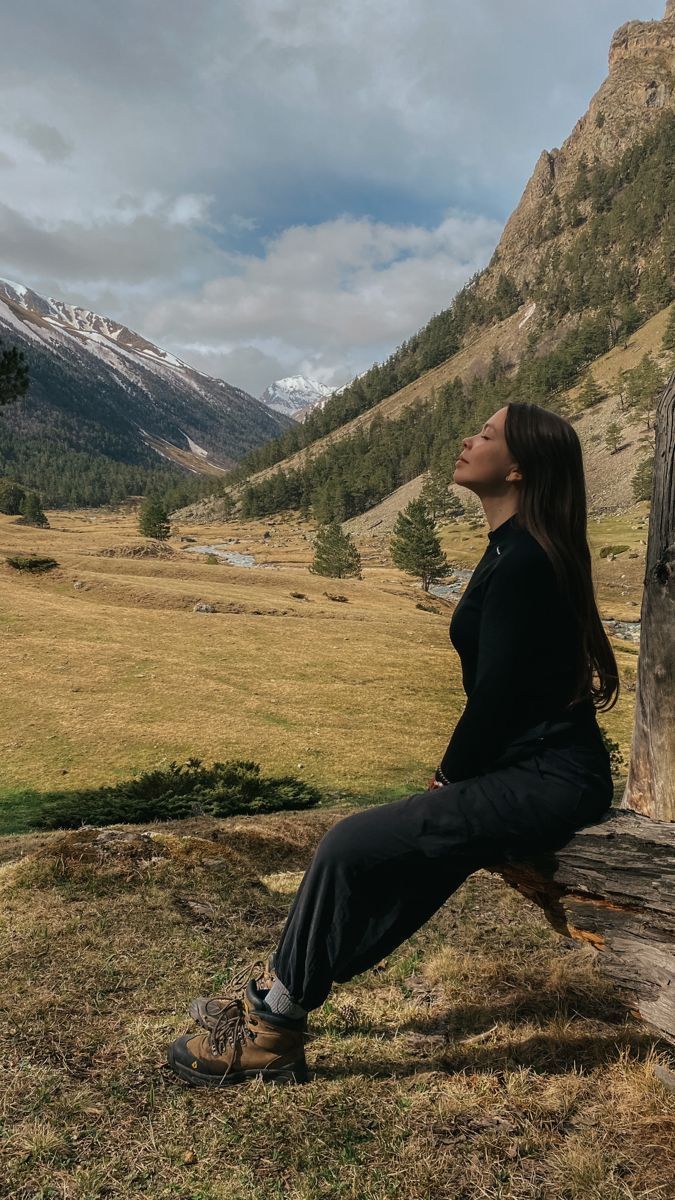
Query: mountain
x=295, y=395
x=102, y=395
x=559, y=197
x=586, y=260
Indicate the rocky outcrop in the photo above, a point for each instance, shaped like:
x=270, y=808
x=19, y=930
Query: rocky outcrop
x=639, y=87
x=643, y=39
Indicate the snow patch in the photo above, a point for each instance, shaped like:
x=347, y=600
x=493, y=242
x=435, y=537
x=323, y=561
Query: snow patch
x=18, y=287
x=194, y=447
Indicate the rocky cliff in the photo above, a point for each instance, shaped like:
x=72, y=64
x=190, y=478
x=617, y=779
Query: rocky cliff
x=639, y=87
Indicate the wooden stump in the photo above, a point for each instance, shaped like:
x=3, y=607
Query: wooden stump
x=650, y=787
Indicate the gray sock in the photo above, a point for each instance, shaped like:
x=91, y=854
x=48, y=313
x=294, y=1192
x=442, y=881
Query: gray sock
x=280, y=1001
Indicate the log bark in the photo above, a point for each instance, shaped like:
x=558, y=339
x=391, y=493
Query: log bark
x=650, y=786
x=613, y=886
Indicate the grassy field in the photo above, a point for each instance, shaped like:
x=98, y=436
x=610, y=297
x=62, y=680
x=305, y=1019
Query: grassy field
x=119, y=674
x=485, y=1058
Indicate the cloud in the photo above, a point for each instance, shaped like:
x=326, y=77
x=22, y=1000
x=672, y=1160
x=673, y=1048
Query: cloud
x=278, y=161
x=46, y=139
x=147, y=242
x=324, y=300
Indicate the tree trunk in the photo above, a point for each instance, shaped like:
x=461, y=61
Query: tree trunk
x=650, y=787
x=613, y=884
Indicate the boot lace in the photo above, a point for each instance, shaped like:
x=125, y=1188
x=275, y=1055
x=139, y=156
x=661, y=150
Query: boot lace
x=230, y=1027
x=230, y=1023
x=242, y=977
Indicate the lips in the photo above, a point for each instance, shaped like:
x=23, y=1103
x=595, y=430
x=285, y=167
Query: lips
x=461, y=460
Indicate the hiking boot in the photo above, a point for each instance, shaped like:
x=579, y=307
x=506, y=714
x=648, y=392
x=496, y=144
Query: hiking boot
x=240, y=1045
x=205, y=1010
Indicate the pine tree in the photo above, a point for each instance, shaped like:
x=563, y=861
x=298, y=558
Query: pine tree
x=669, y=332
x=32, y=511
x=153, y=519
x=12, y=496
x=227, y=505
x=591, y=393
x=415, y=547
x=507, y=298
x=644, y=383
x=613, y=436
x=335, y=553
x=474, y=514
x=642, y=481
x=440, y=501
x=13, y=374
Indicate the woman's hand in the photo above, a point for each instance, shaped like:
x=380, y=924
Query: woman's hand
x=433, y=783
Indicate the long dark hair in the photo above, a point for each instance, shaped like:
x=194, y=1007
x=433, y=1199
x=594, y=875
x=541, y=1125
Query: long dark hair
x=553, y=508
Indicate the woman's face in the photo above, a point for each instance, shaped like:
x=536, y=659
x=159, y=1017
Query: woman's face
x=486, y=465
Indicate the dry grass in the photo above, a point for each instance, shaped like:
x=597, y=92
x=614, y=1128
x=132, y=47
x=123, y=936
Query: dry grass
x=484, y=1058
x=119, y=674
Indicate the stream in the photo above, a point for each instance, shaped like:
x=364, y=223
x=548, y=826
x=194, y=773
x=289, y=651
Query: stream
x=629, y=631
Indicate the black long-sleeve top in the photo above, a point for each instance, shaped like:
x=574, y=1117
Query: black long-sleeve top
x=518, y=642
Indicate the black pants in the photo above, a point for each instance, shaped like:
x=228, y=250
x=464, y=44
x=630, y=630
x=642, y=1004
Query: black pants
x=382, y=872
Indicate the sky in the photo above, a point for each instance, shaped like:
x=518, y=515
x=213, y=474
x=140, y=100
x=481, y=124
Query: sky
x=279, y=187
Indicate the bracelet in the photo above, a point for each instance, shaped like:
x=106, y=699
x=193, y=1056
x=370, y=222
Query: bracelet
x=440, y=777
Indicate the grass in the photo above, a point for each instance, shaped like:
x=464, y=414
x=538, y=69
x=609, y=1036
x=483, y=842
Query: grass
x=120, y=675
x=483, y=1059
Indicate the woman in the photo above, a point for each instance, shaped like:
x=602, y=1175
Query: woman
x=526, y=765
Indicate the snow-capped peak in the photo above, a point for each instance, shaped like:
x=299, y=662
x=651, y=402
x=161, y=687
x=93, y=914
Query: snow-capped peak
x=295, y=395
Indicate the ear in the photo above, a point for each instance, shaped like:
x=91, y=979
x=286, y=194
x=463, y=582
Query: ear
x=514, y=476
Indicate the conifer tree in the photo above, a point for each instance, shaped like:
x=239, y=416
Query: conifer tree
x=12, y=496
x=335, y=553
x=507, y=297
x=153, y=519
x=643, y=479
x=13, y=374
x=227, y=505
x=32, y=511
x=415, y=547
x=644, y=385
x=440, y=501
x=669, y=332
x=474, y=514
x=591, y=393
x=613, y=436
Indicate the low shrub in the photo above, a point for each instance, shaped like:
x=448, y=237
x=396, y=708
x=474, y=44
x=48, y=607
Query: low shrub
x=616, y=758
x=182, y=790
x=31, y=562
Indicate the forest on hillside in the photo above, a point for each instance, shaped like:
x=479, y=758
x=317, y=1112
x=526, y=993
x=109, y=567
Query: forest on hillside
x=357, y=472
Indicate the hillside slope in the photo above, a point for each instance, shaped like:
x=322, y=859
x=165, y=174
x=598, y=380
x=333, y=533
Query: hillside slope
x=99, y=389
x=608, y=475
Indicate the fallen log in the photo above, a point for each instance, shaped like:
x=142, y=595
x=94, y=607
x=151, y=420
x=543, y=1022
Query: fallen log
x=613, y=886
